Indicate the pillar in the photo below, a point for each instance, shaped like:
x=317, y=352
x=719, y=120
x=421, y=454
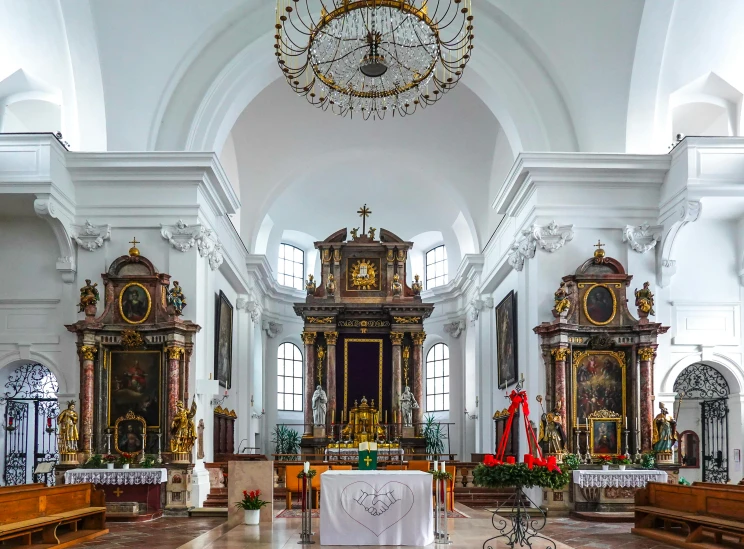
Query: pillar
x=559, y=390
x=418, y=375
x=397, y=339
x=174, y=381
x=87, y=397
x=331, y=338
x=308, y=338
x=646, y=356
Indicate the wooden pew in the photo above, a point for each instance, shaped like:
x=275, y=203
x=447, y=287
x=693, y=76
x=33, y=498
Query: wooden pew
x=41, y=517
x=683, y=515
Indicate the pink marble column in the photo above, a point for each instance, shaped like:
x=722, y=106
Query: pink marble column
x=331, y=338
x=397, y=339
x=646, y=356
x=174, y=381
x=87, y=397
x=418, y=375
x=559, y=390
x=308, y=338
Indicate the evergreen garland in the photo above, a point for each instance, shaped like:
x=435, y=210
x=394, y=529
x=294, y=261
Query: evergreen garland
x=519, y=475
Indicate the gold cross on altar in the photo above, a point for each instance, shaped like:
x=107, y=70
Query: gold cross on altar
x=598, y=244
x=364, y=212
x=367, y=461
x=134, y=242
x=118, y=492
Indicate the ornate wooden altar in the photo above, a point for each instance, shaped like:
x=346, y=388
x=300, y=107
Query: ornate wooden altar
x=599, y=359
x=365, y=318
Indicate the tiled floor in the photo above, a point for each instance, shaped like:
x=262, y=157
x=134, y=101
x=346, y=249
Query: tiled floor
x=212, y=533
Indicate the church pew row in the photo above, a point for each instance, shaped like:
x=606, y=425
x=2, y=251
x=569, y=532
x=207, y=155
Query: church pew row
x=39, y=517
x=690, y=516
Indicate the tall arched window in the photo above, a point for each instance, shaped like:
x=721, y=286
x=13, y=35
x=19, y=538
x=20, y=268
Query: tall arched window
x=437, y=378
x=289, y=378
x=436, y=267
x=291, y=267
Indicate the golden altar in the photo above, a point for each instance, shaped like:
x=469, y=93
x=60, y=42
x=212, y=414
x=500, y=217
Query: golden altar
x=364, y=423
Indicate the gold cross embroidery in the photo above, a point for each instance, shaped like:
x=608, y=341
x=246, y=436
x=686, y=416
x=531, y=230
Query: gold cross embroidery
x=367, y=461
x=118, y=492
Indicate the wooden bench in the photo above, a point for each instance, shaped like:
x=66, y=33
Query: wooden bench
x=40, y=517
x=684, y=515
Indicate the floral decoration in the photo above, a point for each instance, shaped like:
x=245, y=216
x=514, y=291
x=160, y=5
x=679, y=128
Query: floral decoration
x=251, y=501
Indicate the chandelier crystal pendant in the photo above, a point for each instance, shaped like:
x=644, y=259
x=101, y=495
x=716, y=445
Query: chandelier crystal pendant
x=370, y=57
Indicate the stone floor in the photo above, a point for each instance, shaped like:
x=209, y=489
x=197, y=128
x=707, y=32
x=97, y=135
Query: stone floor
x=212, y=533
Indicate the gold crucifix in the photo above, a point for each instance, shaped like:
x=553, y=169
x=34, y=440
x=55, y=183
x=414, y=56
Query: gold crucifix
x=133, y=250
x=364, y=212
x=599, y=253
x=599, y=244
x=367, y=460
x=118, y=492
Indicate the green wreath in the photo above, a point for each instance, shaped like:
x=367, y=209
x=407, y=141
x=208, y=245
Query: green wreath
x=519, y=475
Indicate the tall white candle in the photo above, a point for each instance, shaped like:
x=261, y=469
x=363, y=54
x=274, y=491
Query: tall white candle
x=443, y=468
x=307, y=466
x=436, y=465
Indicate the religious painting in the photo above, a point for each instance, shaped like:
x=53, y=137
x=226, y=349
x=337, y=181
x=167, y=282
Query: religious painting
x=363, y=274
x=598, y=383
x=506, y=340
x=600, y=304
x=604, y=436
x=134, y=303
x=223, y=341
x=135, y=385
x=129, y=433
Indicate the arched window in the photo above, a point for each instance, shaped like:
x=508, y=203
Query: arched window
x=291, y=267
x=289, y=378
x=436, y=267
x=437, y=378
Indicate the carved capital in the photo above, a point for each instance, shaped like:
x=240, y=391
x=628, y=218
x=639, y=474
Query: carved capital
x=642, y=238
x=455, y=328
x=88, y=352
x=308, y=338
x=646, y=354
x=560, y=354
x=331, y=337
x=174, y=353
x=418, y=338
x=91, y=237
x=396, y=338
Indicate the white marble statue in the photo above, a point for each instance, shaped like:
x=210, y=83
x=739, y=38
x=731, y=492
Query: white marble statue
x=320, y=402
x=407, y=405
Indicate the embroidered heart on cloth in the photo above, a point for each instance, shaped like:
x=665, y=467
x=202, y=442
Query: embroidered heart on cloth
x=377, y=509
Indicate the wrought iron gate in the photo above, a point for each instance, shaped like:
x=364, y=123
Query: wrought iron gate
x=30, y=416
x=714, y=416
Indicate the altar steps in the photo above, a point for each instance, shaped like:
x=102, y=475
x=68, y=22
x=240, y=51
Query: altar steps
x=216, y=498
x=482, y=498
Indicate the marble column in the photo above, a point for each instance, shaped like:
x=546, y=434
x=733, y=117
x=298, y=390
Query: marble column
x=308, y=338
x=87, y=397
x=418, y=375
x=559, y=390
x=331, y=338
x=174, y=381
x=397, y=339
x=646, y=356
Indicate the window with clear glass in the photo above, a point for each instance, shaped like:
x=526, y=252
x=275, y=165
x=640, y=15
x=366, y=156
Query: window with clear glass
x=436, y=267
x=291, y=267
x=289, y=378
x=437, y=378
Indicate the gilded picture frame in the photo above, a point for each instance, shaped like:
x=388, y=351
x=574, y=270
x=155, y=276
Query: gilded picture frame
x=135, y=382
x=346, y=369
x=605, y=433
x=599, y=308
x=132, y=306
x=593, y=389
x=128, y=431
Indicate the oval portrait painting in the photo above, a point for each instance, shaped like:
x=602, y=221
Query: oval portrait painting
x=599, y=305
x=134, y=303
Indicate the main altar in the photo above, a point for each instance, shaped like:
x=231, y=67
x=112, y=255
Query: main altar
x=364, y=336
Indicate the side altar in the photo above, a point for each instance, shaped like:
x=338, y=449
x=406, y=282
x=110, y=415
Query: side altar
x=364, y=338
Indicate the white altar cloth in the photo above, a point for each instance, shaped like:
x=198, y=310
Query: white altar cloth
x=376, y=508
x=630, y=478
x=116, y=476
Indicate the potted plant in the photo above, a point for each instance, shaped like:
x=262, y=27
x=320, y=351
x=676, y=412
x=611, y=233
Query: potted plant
x=148, y=462
x=251, y=505
x=604, y=461
x=622, y=462
x=571, y=461
x=126, y=459
x=109, y=460
x=648, y=460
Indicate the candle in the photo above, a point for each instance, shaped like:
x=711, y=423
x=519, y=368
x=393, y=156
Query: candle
x=626, y=424
x=436, y=465
x=333, y=416
x=10, y=421
x=510, y=460
x=49, y=422
x=306, y=467
x=444, y=469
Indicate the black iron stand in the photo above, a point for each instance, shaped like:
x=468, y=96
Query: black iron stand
x=524, y=524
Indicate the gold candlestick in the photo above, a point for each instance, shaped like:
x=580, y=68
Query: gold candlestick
x=406, y=356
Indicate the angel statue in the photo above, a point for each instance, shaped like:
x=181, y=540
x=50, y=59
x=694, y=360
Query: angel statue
x=355, y=233
x=183, y=430
x=67, y=438
x=372, y=233
x=645, y=301
x=562, y=303
x=310, y=285
x=89, y=296
x=176, y=298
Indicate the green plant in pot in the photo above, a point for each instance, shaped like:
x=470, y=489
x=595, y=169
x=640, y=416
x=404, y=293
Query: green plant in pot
x=286, y=441
x=621, y=461
x=571, y=461
x=434, y=436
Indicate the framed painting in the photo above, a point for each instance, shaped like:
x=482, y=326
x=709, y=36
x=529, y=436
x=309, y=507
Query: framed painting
x=134, y=303
x=506, y=340
x=128, y=434
x=135, y=385
x=363, y=274
x=600, y=304
x=605, y=434
x=223, y=341
x=598, y=383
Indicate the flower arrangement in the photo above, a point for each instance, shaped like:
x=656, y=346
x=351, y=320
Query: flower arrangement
x=571, y=461
x=95, y=461
x=251, y=501
x=439, y=475
x=127, y=458
x=310, y=473
x=621, y=460
x=148, y=462
x=109, y=458
x=604, y=460
x=648, y=460
x=545, y=473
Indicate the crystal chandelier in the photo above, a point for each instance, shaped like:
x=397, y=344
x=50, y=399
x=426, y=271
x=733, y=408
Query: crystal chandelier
x=369, y=57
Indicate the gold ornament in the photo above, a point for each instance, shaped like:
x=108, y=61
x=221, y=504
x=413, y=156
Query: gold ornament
x=308, y=338
x=174, y=353
x=418, y=338
x=396, y=337
x=646, y=354
x=183, y=430
x=320, y=320
x=407, y=319
x=331, y=337
x=363, y=275
x=88, y=352
x=560, y=354
x=131, y=338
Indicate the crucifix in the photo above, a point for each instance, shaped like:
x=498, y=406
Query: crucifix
x=134, y=242
x=364, y=212
x=599, y=245
x=118, y=492
x=367, y=460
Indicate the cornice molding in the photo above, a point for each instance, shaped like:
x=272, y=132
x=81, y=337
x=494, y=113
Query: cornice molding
x=550, y=238
x=642, y=238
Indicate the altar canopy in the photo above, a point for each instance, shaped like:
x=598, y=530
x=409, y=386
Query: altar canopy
x=376, y=508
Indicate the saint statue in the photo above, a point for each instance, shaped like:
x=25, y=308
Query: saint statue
x=183, y=431
x=665, y=430
x=407, y=405
x=310, y=285
x=320, y=402
x=396, y=286
x=200, y=440
x=89, y=296
x=176, y=298
x=562, y=303
x=67, y=439
x=552, y=433
x=645, y=300
x=417, y=286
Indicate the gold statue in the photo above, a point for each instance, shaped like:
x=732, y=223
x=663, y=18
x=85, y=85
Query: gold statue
x=417, y=286
x=354, y=233
x=310, y=285
x=364, y=423
x=396, y=286
x=645, y=300
x=552, y=436
x=67, y=438
x=372, y=233
x=331, y=286
x=88, y=296
x=183, y=430
x=562, y=303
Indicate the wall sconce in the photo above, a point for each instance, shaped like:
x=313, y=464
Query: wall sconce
x=10, y=427
x=254, y=415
